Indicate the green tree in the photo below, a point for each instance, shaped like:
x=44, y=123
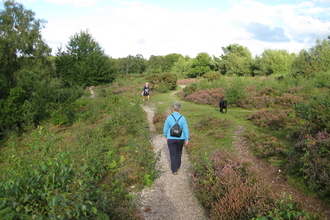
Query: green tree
x=316, y=59
x=216, y=64
x=21, y=44
x=170, y=60
x=321, y=55
x=84, y=62
x=132, y=65
x=273, y=62
x=23, y=62
x=200, y=65
x=181, y=67
x=140, y=64
x=236, y=60
x=126, y=64
x=155, y=64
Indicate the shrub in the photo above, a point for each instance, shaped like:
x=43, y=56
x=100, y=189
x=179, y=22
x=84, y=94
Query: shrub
x=268, y=91
x=64, y=115
x=212, y=76
x=234, y=93
x=159, y=119
x=264, y=146
x=207, y=97
x=272, y=119
x=51, y=189
x=219, y=179
x=321, y=80
x=162, y=87
x=190, y=89
x=83, y=171
x=316, y=111
x=310, y=158
x=286, y=209
x=161, y=81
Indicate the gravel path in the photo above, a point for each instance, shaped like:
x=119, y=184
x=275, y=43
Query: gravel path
x=171, y=196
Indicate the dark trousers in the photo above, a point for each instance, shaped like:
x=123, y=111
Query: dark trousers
x=175, y=148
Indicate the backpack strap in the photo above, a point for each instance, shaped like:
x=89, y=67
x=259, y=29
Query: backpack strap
x=176, y=120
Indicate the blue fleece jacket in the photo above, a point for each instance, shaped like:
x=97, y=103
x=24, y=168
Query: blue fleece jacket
x=170, y=122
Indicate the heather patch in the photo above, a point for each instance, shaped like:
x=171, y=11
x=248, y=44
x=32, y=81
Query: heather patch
x=310, y=158
x=268, y=91
x=186, y=81
x=221, y=177
x=207, y=97
x=273, y=119
x=267, y=98
x=264, y=146
x=159, y=119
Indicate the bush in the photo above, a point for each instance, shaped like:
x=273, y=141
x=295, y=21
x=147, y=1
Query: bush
x=286, y=209
x=64, y=115
x=163, y=81
x=310, y=158
x=83, y=171
x=316, y=111
x=212, y=76
x=321, y=80
x=162, y=88
x=264, y=146
x=219, y=179
x=275, y=120
x=207, y=97
x=234, y=93
x=159, y=119
x=52, y=189
x=190, y=89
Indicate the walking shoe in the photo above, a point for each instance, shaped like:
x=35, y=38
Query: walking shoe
x=175, y=173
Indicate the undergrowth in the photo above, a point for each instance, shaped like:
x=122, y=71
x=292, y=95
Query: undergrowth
x=85, y=171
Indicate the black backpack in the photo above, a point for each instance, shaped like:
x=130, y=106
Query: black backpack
x=176, y=129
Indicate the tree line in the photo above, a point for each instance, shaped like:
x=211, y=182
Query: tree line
x=35, y=85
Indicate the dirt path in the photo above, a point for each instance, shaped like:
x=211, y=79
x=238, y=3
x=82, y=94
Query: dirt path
x=171, y=196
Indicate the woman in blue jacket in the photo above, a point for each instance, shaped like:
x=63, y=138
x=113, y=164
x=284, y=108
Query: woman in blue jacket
x=175, y=144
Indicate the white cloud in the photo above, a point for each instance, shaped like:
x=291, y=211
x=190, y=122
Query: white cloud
x=77, y=3
x=326, y=2
x=132, y=29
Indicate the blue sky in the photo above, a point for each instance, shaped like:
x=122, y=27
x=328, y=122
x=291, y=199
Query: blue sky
x=161, y=27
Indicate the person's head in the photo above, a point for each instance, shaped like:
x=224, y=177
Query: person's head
x=176, y=106
x=147, y=83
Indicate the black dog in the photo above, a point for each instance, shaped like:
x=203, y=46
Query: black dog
x=223, y=106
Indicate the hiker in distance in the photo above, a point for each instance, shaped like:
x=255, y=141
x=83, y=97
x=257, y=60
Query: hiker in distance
x=145, y=92
x=175, y=141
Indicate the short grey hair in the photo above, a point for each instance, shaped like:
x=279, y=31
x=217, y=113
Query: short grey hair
x=176, y=106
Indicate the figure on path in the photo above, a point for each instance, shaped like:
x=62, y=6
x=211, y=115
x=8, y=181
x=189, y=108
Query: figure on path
x=145, y=93
x=175, y=144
